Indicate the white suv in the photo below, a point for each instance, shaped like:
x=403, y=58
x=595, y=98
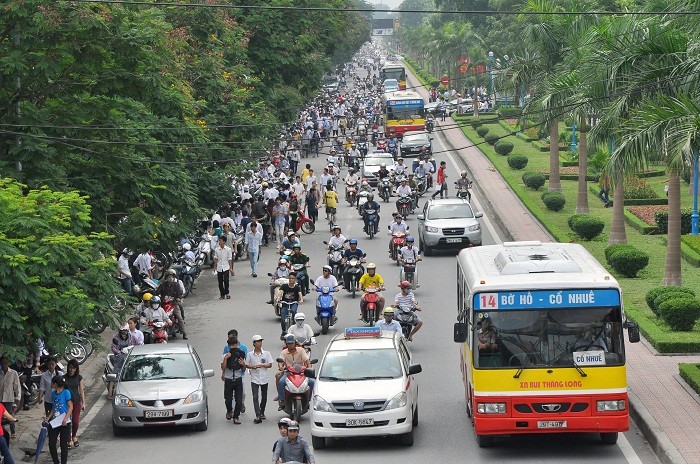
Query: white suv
x=365, y=386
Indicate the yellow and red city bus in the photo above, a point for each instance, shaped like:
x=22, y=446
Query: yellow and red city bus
x=540, y=331
x=394, y=71
x=405, y=111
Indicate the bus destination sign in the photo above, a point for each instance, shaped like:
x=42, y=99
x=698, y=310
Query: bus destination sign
x=546, y=299
x=400, y=103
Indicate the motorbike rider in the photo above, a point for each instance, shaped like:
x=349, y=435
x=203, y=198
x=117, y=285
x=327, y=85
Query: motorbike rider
x=400, y=168
x=392, y=144
x=354, y=156
x=282, y=272
x=290, y=293
x=328, y=280
x=404, y=190
x=337, y=239
x=464, y=184
x=407, y=299
x=397, y=225
x=370, y=204
x=382, y=174
x=292, y=448
x=189, y=254
x=120, y=341
x=301, y=330
x=351, y=179
x=349, y=253
x=297, y=257
x=290, y=241
x=174, y=288
x=389, y=324
x=371, y=279
x=291, y=355
x=409, y=251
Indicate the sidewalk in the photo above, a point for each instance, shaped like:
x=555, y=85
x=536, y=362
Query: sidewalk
x=660, y=403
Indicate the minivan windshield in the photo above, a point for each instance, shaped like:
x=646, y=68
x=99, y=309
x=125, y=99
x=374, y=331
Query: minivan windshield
x=456, y=211
x=361, y=365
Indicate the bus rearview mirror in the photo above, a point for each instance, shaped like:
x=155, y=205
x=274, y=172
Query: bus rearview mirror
x=460, y=332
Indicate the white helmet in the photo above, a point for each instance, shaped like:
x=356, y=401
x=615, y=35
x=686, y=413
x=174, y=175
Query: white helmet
x=187, y=247
x=300, y=317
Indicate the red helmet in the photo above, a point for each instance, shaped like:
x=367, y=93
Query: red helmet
x=405, y=284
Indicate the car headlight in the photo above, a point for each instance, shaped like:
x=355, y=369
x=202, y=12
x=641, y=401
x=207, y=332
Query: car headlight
x=398, y=401
x=194, y=397
x=321, y=405
x=432, y=229
x=124, y=401
x=474, y=228
x=491, y=408
x=615, y=405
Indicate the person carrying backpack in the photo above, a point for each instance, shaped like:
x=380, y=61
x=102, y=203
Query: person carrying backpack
x=232, y=368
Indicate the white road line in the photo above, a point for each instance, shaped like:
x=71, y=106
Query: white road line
x=85, y=423
x=627, y=450
x=487, y=222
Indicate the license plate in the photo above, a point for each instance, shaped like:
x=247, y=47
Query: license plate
x=359, y=422
x=551, y=424
x=158, y=414
x=453, y=240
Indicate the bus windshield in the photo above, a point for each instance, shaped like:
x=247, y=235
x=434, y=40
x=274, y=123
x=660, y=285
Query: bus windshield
x=580, y=337
x=397, y=73
x=404, y=112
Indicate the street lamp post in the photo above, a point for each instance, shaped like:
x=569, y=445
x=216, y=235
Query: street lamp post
x=694, y=216
x=492, y=93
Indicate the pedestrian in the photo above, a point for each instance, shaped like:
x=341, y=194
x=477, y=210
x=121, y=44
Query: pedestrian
x=233, y=333
x=232, y=366
x=259, y=361
x=10, y=390
x=253, y=240
x=604, y=193
x=441, y=185
x=223, y=263
x=60, y=417
x=279, y=216
x=74, y=384
x=312, y=204
x=125, y=271
x=45, y=383
x=4, y=447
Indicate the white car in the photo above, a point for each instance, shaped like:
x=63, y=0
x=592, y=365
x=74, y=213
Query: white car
x=365, y=386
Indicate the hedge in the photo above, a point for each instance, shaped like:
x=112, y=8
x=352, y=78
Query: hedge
x=661, y=218
x=594, y=189
x=691, y=374
x=680, y=313
x=655, y=173
x=554, y=201
x=687, y=253
x=656, y=292
x=671, y=294
x=482, y=131
x=491, y=139
x=612, y=249
x=629, y=262
x=533, y=180
x=518, y=162
x=586, y=227
x=510, y=112
x=503, y=147
x=639, y=225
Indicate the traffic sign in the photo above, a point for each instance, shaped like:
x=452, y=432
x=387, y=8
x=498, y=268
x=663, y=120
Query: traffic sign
x=463, y=69
x=445, y=81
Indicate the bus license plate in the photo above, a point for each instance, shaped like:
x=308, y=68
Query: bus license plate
x=454, y=240
x=359, y=422
x=158, y=414
x=551, y=424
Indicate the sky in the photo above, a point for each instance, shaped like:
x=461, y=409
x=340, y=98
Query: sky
x=391, y=3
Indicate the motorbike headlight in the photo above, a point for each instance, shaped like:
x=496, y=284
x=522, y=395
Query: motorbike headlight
x=194, y=397
x=474, y=228
x=432, y=229
x=398, y=401
x=124, y=401
x=321, y=405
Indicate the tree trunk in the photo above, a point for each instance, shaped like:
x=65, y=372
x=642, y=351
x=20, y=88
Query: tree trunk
x=554, y=180
x=617, y=229
x=582, y=197
x=672, y=270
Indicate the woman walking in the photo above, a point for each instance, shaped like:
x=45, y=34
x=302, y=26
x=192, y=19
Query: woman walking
x=74, y=384
x=60, y=415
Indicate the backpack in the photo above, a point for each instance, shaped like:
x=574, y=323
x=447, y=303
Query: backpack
x=231, y=362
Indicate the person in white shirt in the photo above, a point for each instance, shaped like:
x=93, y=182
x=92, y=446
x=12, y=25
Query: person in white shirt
x=298, y=187
x=389, y=324
x=403, y=190
x=407, y=299
x=271, y=193
x=409, y=251
x=253, y=240
x=245, y=194
x=328, y=280
x=302, y=331
x=310, y=179
x=337, y=239
x=223, y=263
x=258, y=361
x=189, y=254
x=125, y=271
x=400, y=168
x=144, y=264
x=398, y=225
x=324, y=179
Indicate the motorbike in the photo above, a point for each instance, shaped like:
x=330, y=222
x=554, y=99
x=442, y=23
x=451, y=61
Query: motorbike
x=421, y=186
x=351, y=193
x=203, y=253
x=362, y=146
x=305, y=224
x=169, y=304
x=398, y=240
x=296, y=390
x=29, y=383
x=383, y=188
x=238, y=245
x=354, y=271
x=278, y=283
x=371, y=220
x=464, y=192
x=406, y=316
x=409, y=272
x=371, y=296
x=114, y=364
x=392, y=147
x=362, y=199
x=325, y=311
x=405, y=206
x=302, y=277
x=429, y=124
x=335, y=261
x=186, y=271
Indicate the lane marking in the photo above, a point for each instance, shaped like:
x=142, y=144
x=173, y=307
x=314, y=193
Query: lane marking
x=96, y=408
x=627, y=450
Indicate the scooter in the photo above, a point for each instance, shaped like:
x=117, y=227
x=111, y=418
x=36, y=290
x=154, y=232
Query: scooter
x=429, y=124
x=186, y=271
x=354, y=271
x=406, y=316
x=383, y=188
x=335, y=260
x=302, y=277
x=325, y=309
x=398, y=240
x=371, y=311
x=351, y=193
x=114, y=364
x=371, y=219
x=169, y=304
x=304, y=223
x=409, y=272
x=362, y=199
x=464, y=192
x=296, y=390
x=278, y=283
x=404, y=206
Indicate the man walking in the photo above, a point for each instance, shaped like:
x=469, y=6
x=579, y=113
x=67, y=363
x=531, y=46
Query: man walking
x=10, y=389
x=259, y=361
x=441, y=180
x=232, y=367
x=223, y=263
x=253, y=240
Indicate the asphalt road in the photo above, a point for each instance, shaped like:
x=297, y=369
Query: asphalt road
x=444, y=434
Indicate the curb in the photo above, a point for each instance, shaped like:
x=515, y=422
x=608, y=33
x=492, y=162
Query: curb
x=655, y=435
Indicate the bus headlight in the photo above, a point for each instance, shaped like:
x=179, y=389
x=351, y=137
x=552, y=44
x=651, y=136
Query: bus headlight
x=615, y=405
x=491, y=408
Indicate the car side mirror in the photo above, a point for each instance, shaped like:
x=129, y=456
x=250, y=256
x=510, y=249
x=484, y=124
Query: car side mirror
x=479, y=215
x=111, y=377
x=460, y=332
x=420, y=217
x=208, y=373
x=310, y=373
x=415, y=369
x=632, y=332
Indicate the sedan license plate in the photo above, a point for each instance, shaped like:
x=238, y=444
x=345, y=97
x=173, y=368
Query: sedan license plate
x=453, y=240
x=551, y=424
x=158, y=414
x=359, y=422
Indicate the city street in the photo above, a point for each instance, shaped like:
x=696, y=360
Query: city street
x=444, y=434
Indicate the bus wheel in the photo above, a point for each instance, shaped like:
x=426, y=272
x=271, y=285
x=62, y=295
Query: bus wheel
x=484, y=441
x=609, y=438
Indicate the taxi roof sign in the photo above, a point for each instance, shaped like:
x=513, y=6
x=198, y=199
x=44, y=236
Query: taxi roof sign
x=362, y=332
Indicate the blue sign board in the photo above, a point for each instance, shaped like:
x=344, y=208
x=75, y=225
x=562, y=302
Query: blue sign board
x=546, y=299
x=359, y=332
x=406, y=103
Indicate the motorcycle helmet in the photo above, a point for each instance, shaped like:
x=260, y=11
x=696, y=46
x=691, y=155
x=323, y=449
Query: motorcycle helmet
x=371, y=266
x=365, y=183
x=405, y=284
x=370, y=197
x=353, y=241
x=300, y=317
x=389, y=310
x=125, y=251
x=327, y=268
x=410, y=239
x=290, y=234
x=170, y=272
x=289, y=338
x=336, y=227
x=124, y=328
x=187, y=247
x=147, y=297
x=284, y=422
x=383, y=165
x=155, y=302
x=295, y=246
x=293, y=425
